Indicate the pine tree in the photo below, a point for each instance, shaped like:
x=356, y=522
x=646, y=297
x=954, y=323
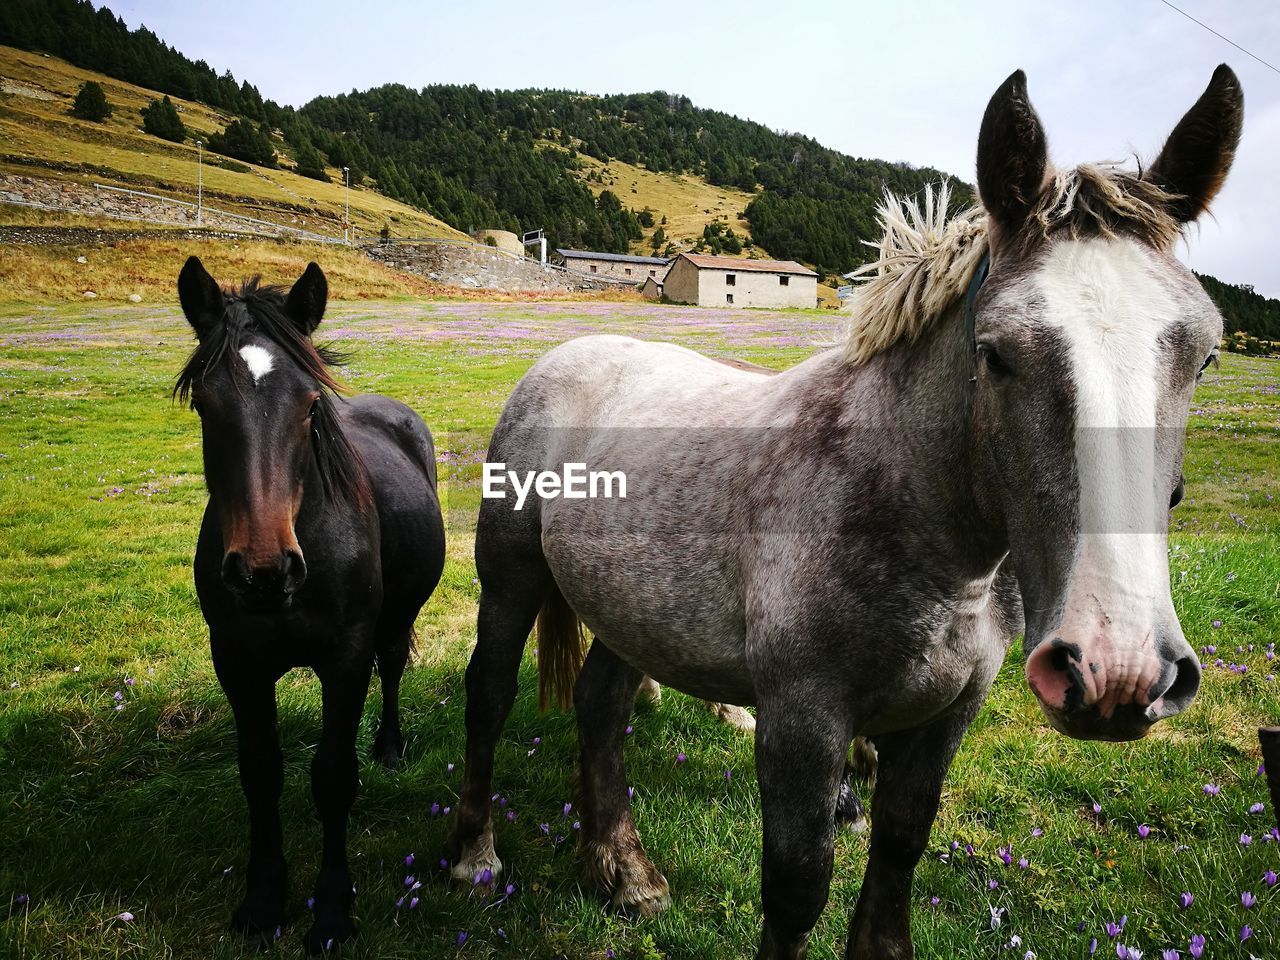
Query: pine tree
x=91, y=103
x=243, y=141
x=310, y=162
x=160, y=119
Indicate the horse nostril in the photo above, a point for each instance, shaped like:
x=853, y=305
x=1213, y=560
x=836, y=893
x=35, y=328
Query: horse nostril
x=1180, y=692
x=295, y=571
x=1053, y=671
x=235, y=572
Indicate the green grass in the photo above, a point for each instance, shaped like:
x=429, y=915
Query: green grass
x=139, y=810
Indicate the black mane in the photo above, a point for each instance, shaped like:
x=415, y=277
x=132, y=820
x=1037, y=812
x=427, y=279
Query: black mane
x=258, y=308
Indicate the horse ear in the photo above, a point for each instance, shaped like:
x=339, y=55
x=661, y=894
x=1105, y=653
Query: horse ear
x=306, y=301
x=1195, y=159
x=1013, y=154
x=199, y=295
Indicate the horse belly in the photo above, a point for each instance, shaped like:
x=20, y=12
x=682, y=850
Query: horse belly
x=666, y=607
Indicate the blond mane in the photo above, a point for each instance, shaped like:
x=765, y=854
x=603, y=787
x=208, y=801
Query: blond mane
x=927, y=258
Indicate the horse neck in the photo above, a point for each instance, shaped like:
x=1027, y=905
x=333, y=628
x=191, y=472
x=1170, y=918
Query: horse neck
x=919, y=397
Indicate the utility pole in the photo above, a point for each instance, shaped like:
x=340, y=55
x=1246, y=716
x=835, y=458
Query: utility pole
x=346, y=222
x=199, y=182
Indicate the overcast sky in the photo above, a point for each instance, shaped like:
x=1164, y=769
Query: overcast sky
x=898, y=80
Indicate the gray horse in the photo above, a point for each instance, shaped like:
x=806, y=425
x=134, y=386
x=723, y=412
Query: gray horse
x=852, y=545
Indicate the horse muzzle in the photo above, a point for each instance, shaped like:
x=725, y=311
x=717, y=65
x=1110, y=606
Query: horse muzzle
x=1089, y=695
x=264, y=587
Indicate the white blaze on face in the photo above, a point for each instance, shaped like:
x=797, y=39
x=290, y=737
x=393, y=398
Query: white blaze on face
x=258, y=359
x=1107, y=303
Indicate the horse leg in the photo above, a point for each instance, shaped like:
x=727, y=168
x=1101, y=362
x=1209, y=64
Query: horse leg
x=861, y=768
x=609, y=847
x=392, y=656
x=334, y=777
x=510, y=597
x=910, y=770
x=252, y=696
x=800, y=761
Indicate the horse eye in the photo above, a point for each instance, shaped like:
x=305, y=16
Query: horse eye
x=1210, y=359
x=988, y=355
x=315, y=409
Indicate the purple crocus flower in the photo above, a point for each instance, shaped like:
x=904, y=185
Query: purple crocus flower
x=934, y=901
x=413, y=904
x=1256, y=808
x=1144, y=831
x=408, y=861
x=1186, y=899
x=1245, y=840
x=448, y=768
x=1006, y=856
x=1113, y=929
x=1245, y=933
x=1197, y=947
x=681, y=758
x=462, y=937
x=1247, y=899
x=1093, y=946
x=1023, y=863
x=567, y=808
x=1037, y=832
x=1097, y=808
x=1170, y=955
x=1211, y=789
x=1269, y=878
x=993, y=884
x=127, y=917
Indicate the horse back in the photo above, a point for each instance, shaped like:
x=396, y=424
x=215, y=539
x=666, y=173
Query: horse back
x=399, y=456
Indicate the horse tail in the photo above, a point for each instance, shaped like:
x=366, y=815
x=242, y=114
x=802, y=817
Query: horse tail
x=562, y=646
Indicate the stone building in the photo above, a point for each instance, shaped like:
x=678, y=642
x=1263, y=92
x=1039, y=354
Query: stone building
x=614, y=266
x=727, y=281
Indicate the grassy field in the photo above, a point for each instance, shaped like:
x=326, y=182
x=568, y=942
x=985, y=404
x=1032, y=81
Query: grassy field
x=118, y=784
x=39, y=138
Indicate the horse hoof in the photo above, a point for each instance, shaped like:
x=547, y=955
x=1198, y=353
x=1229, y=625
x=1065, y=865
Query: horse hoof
x=644, y=898
x=327, y=935
x=258, y=921
x=476, y=858
x=650, y=691
x=737, y=717
x=388, y=754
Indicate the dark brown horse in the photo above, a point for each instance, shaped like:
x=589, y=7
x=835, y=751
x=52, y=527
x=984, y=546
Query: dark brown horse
x=321, y=541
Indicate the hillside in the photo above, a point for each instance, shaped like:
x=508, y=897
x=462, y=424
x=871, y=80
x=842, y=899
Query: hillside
x=600, y=172
x=38, y=137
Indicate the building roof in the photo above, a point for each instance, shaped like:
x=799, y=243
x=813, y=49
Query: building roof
x=619, y=257
x=705, y=262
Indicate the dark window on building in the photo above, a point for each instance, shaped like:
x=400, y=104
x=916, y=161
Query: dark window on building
x=653, y=273
x=784, y=281
x=593, y=268
x=628, y=269
x=728, y=298
x=730, y=279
